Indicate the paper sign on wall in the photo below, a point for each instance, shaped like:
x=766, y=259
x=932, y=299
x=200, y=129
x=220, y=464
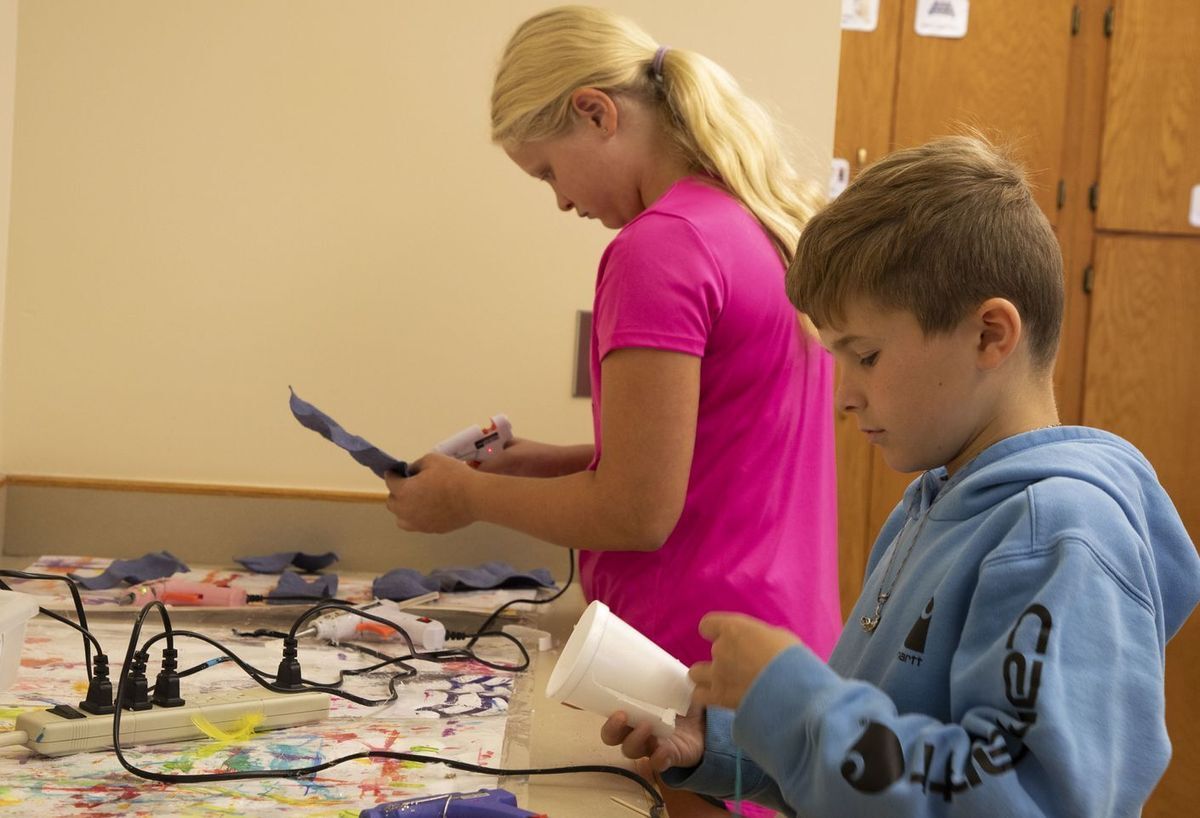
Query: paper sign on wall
x=860, y=15
x=1194, y=214
x=943, y=18
x=839, y=177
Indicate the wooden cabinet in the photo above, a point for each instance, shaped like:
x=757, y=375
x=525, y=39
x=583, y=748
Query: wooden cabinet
x=1143, y=383
x=1143, y=370
x=1102, y=100
x=1007, y=77
x=1150, y=162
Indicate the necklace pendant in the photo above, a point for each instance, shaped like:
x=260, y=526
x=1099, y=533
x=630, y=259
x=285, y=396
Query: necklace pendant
x=869, y=623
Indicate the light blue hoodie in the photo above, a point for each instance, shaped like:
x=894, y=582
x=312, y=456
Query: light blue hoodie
x=1017, y=667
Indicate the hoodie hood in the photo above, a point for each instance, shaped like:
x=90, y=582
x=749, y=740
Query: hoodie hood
x=1102, y=460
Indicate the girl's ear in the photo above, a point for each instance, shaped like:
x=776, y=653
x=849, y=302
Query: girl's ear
x=1000, y=331
x=596, y=108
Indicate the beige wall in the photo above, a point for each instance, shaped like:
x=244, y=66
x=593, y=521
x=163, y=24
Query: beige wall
x=8, y=68
x=211, y=201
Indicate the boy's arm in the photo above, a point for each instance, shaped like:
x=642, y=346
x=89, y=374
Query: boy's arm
x=717, y=772
x=1055, y=707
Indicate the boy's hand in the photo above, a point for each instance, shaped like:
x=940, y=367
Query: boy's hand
x=684, y=748
x=433, y=500
x=741, y=647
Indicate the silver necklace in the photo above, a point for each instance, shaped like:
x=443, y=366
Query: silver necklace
x=870, y=623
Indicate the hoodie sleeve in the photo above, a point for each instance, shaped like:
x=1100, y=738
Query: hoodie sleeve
x=717, y=772
x=1054, y=704
x=1055, y=699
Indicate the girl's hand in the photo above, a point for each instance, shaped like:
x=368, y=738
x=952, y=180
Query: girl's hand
x=684, y=748
x=513, y=459
x=741, y=647
x=434, y=499
x=529, y=458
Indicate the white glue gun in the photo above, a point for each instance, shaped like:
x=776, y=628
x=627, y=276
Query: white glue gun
x=426, y=633
x=476, y=444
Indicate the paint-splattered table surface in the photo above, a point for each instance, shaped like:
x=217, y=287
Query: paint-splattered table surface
x=461, y=710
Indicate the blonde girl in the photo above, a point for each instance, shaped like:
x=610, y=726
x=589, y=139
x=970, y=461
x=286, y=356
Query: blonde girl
x=709, y=483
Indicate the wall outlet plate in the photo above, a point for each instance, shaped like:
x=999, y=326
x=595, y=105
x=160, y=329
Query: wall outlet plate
x=582, y=386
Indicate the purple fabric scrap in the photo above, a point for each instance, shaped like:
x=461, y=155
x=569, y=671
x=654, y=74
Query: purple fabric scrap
x=155, y=565
x=366, y=453
x=491, y=575
x=403, y=583
x=277, y=562
x=292, y=584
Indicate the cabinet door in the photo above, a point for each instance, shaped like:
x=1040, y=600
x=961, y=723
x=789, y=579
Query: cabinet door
x=866, y=96
x=867, y=89
x=1150, y=160
x=1143, y=383
x=1006, y=77
x=1143, y=358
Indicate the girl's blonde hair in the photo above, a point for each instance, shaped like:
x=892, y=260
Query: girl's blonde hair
x=721, y=132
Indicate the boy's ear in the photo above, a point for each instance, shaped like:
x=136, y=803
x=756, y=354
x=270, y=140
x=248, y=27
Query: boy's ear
x=1000, y=331
x=596, y=108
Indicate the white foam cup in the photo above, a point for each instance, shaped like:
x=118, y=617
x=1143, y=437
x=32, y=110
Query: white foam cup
x=15, y=610
x=608, y=666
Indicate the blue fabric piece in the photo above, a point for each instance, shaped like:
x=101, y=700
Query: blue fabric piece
x=491, y=575
x=151, y=566
x=403, y=583
x=292, y=584
x=362, y=451
x=275, y=563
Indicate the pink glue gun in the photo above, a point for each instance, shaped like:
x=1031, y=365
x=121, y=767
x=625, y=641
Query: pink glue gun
x=184, y=592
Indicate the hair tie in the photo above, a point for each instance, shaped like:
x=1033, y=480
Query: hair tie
x=657, y=65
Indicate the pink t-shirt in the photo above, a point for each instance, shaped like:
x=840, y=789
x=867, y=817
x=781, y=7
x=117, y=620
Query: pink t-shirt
x=696, y=273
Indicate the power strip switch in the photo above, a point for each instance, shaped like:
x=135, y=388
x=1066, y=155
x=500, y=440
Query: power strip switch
x=64, y=730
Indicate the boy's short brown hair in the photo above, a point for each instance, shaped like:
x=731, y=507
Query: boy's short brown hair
x=935, y=230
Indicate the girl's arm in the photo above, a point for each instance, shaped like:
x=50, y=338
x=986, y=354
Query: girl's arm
x=631, y=502
x=529, y=458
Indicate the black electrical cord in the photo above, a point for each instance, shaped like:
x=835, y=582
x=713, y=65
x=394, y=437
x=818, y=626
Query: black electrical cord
x=480, y=632
x=292, y=600
x=483, y=629
x=263, y=678
x=449, y=655
x=82, y=627
x=446, y=655
x=656, y=810
x=465, y=652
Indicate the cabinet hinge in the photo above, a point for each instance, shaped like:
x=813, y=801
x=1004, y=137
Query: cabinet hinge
x=1109, y=15
x=1094, y=196
x=1061, y=200
x=1076, y=20
x=1089, y=279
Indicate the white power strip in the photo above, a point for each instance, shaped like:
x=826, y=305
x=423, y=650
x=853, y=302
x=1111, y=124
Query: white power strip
x=65, y=730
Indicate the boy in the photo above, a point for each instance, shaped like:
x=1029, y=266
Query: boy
x=1006, y=655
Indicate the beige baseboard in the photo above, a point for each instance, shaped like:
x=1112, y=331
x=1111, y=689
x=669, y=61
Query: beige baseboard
x=211, y=524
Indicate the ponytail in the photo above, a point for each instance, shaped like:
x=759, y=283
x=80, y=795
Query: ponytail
x=720, y=132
